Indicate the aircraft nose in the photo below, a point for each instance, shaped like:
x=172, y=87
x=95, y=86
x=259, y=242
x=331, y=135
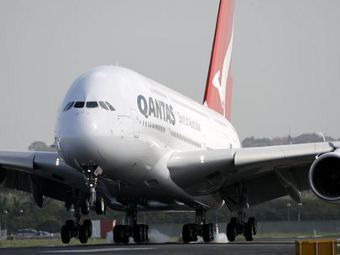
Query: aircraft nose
x=78, y=138
x=80, y=124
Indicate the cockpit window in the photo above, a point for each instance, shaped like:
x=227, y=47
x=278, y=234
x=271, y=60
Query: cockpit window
x=79, y=104
x=103, y=105
x=110, y=106
x=68, y=106
x=91, y=104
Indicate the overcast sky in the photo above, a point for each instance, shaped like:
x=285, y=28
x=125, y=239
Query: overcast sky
x=286, y=58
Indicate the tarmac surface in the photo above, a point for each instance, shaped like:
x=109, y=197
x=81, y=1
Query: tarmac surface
x=273, y=247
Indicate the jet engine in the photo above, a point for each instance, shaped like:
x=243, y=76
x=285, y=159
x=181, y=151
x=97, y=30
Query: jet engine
x=324, y=176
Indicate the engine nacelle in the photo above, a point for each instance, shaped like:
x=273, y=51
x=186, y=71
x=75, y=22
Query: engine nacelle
x=324, y=176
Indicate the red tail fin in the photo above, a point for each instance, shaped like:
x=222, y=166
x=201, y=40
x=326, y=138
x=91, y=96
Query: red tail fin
x=219, y=83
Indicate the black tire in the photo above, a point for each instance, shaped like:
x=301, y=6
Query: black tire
x=233, y=220
x=116, y=234
x=100, y=206
x=146, y=233
x=85, y=207
x=138, y=233
x=83, y=234
x=65, y=234
x=88, y=225
x=141, y=233
x=70, y=224
x=252, y=221
x=188, y=233
x=231, y=231
x=121, y=234
x=248, y=231
x=209, y=232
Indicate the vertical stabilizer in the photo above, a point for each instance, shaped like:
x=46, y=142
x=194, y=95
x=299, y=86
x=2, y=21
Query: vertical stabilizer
x=218, y=91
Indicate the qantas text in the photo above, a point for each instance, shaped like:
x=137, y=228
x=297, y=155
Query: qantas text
x=156, y=108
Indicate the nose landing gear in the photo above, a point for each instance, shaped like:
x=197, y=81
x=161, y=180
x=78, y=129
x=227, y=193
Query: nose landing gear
x=91, y=173
x=77, y=228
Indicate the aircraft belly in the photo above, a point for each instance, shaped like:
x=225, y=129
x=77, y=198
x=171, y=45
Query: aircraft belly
x=145, y=177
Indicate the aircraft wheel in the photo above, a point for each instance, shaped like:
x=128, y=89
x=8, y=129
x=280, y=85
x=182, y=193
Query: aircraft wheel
x=248, y=231
x=83, y=234
x=209, y=232
x=88, y=225
x=188, y=233
x=65, y=234
x=138, y=233
x=146, y=233
x=231, y=230
x=100, y=206
x=253, y=222
x=121, y=234
x=141, y=233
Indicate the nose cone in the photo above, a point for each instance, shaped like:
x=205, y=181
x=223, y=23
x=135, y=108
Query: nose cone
x=79, y=123
x=77, y=138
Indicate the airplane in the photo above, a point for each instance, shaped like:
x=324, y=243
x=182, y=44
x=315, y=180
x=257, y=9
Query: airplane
x=131, y=144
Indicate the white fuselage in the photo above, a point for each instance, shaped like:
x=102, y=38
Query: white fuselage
x=132, y=143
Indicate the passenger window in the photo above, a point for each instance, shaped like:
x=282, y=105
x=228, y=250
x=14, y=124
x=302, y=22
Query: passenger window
x=79, y=104
x=110, y=106
x=103, y=105
x=91, y=104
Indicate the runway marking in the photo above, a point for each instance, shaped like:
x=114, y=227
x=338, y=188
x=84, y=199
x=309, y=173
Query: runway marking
x=97, y=250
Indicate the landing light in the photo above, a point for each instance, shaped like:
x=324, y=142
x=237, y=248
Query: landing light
x=202, y=159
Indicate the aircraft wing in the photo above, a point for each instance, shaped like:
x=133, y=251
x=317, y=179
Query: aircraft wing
x=261, y=173
x=41, y=173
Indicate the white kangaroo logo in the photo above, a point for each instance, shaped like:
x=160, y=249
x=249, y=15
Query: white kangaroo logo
x=221, y=86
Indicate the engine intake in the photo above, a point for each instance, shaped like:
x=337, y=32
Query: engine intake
x=324, y=176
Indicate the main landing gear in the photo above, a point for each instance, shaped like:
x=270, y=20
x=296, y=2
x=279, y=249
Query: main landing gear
x=190, y=232
x=239, y=225
x=76, y=228
x=139, y=232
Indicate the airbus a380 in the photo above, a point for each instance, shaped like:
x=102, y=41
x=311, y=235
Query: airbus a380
x=129, y=143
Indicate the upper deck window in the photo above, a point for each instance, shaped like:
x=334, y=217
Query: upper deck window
x=103, y=105
x=91, y=104
x=79, y=104
x=110, y=106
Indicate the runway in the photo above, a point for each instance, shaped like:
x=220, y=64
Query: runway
x=236, y=248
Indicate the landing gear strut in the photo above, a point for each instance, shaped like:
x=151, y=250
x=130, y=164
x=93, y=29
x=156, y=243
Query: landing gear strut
x=139, y=232
x=191, y=231
x=76, y=228
x=91, y=173
x=239, y=225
